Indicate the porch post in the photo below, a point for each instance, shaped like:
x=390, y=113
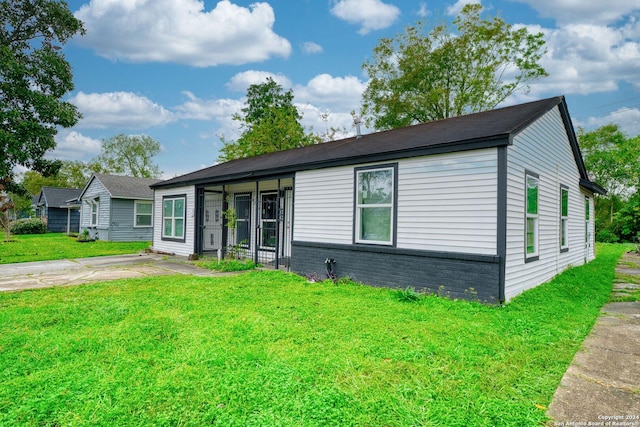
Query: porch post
x=277, y=248
x=257, y=229
x=225, y=227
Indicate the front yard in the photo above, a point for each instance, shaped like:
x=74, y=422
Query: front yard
x=52, y=246
x=270, y=348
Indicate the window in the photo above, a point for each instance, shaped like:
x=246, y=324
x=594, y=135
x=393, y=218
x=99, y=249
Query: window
x=142, y=213
x=375, y=201
x=587, y=218
x=564, y=218
x=531, y=238
x=268, y=220
x=173, y=209
x=243, y=223
x=95, y=208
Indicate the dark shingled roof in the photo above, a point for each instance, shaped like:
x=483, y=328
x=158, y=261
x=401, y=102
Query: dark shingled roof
x=55, y=197
x=479, y=130
x=125, y=187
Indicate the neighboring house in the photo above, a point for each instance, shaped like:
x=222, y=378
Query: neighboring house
x=481, y=206
x=59, y=208
x=117, y=208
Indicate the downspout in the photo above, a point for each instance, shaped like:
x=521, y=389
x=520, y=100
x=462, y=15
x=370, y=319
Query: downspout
x=502, y=223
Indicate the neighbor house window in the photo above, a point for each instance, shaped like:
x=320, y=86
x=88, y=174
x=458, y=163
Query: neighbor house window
x=173, y=215
x=564, y=218
x=95, y=208
x=142, y=213
x=531, y=233
x=375, y=205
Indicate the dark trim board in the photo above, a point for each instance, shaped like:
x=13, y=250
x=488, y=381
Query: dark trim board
x=455, y=275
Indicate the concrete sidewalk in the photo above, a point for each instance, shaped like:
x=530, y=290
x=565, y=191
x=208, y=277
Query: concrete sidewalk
x=68, y=272
x=602, y=384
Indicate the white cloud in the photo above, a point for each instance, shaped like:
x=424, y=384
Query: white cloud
x=119, y=110
x=241, y=81
x=335, y=93
x=423, y=12
x=627, y=118
x=72, y=145
x=595, y=12
x=455, y=9
x=587, y=58
x=323, y=120
x=369, y=14
x=181, y=31
x=311, y=48
x=201, y=109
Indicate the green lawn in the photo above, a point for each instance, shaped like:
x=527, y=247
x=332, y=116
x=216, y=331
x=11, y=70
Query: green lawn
x=42, y=247
x=271, y=349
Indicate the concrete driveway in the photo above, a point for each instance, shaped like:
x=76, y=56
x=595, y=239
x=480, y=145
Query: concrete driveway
x=67, y=272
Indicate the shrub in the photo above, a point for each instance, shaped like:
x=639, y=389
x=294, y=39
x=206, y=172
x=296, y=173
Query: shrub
x=607, y=236
x=28, y=226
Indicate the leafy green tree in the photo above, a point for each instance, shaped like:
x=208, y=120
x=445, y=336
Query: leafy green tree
x=72, y=174
x=613, y=159
x=130, y=155
x=269, y=122
x=34, y=77
x=416, y=78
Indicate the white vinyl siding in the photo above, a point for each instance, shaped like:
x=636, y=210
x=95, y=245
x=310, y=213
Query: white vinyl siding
x=185, y=248
x=323, y=208
x=542, y=147
x=446, y=202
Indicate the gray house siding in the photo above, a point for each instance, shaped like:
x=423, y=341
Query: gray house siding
x=122, y=221
x=96, y=191
x=57, y=220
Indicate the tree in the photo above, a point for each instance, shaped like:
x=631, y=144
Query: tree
x=269, y=122
x=34, y=76
x=416, y=78
x=613, y=159
x=128, y=155
x=72, y=174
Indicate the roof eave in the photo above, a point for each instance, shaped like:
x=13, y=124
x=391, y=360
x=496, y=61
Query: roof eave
x=448, y=147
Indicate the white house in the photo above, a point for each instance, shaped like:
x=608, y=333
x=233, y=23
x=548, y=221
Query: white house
x=481, y=206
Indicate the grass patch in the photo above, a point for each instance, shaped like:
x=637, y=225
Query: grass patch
x=228, y=265
x=271, y=348
x=51, y=246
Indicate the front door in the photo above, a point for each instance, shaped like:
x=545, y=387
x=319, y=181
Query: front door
x=212, y=223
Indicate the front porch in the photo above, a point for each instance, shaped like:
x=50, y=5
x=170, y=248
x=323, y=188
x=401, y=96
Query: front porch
x=246, y=220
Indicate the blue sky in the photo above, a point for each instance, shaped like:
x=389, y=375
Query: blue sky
x=177, y=70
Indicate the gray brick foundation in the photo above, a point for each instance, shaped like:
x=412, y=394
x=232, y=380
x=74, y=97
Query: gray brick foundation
x=454, y=275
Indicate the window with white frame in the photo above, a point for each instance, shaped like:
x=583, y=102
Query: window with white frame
x=375, y=205
x=173, y=217
x=587, y=219
x=95, y=209
x=142, y=213
x=564, y=218
x=531, y=233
